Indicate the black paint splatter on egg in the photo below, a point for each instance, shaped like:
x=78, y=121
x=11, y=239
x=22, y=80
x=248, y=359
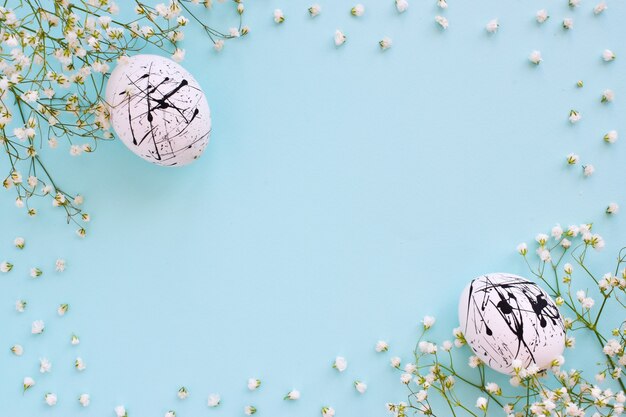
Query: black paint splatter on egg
x=506, y=317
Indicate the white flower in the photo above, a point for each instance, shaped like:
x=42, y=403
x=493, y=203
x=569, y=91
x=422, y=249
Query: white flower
x=51, y=399
x=19, y=242
x=428, y=322
x=28, y=382
x=395, y=362
x=474, y=361
x=493, y=388
x=234, y=32
x=37, y=327
x=608, y=55
x=572, y=159
x=587, y=303
x=361, y=387
x=442, y=21
x=214, y=400
x=492, y=26
x=170, y=413
x=249, y=410
x=20, y=306
x=611, y=136
x=612, y=208
x=35, y=272
x=557, y=232
x=6, y=267
x=44, y=365
x=481, y=403
x=588, y=170
x=541, y=238
x=279, y=17
x=568, y=23
x=315, y=10
x=79, y=364
x=357, y=10
x=340, y=38
x=340, y=364
x=522, y=249
x=218, y=45
x=574, y=116
x=74, y=340
x=382, y=346
x=178, y=55
x=574, y=3
x=60, y=265
x=442, y=4
x=182, y=393
x=84, y=400
x=607, y=96
x=535, y=57
x=292, y=395
x=120, y=411
x=447, y=346
x=328, y=412
x=385, y=43
x=253, y=384
x=542, y=15
x=600, y=7
x=544, y=255
x=405, y=378
x=63, y=308
x=402, y=5
x=17, y=350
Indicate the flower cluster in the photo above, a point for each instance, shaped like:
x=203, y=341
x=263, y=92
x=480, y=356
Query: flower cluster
x=55, y=58
x=532, y=391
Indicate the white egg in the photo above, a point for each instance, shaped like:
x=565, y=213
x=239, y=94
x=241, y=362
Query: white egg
x=505, y=317
x=159, y=110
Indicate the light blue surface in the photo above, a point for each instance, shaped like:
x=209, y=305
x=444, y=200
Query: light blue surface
x=346, y=192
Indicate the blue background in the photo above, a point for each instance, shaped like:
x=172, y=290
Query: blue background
x=345, y=193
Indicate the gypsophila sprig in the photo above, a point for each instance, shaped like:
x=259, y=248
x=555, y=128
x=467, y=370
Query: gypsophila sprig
x=531, y=391
x=56, y=58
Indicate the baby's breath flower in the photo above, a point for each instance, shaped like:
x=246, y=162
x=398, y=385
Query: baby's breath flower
x=38, y=327
x=611, y=136
x=402, y=5
x=44, y=365
x=182, y=393
x=292, y=395
x=588, y=170
x=19, y=242
x=328, y=411
x=17, y=350
x=315, y=10
x=120, y=411
x=74, y=340
x=608, y=55
x=214, y=400
x=79, y=364
x=279, y=17
x=535, y=57
x=600, y=7
x=395, y=362
x=573, y=159
x=84, y=400
x=607, y=96
x=442, y=21
x=35, y=272
x=574, y=116
x=385, y=43
x=481, y=403
x=492, y=26
x=360, y=386
x=340, y=38
x=442, y=4
x=63, y=308
x=612, y=208
x=568, y=23
x=382, y=346
x=542, y=15
x=340, y=364
x=580, y=83
x=6, y=266
x=249, y=410
x=51, y=399
x=28, y=383
x=253, y=384
x=357, y=10
x=428, y=322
